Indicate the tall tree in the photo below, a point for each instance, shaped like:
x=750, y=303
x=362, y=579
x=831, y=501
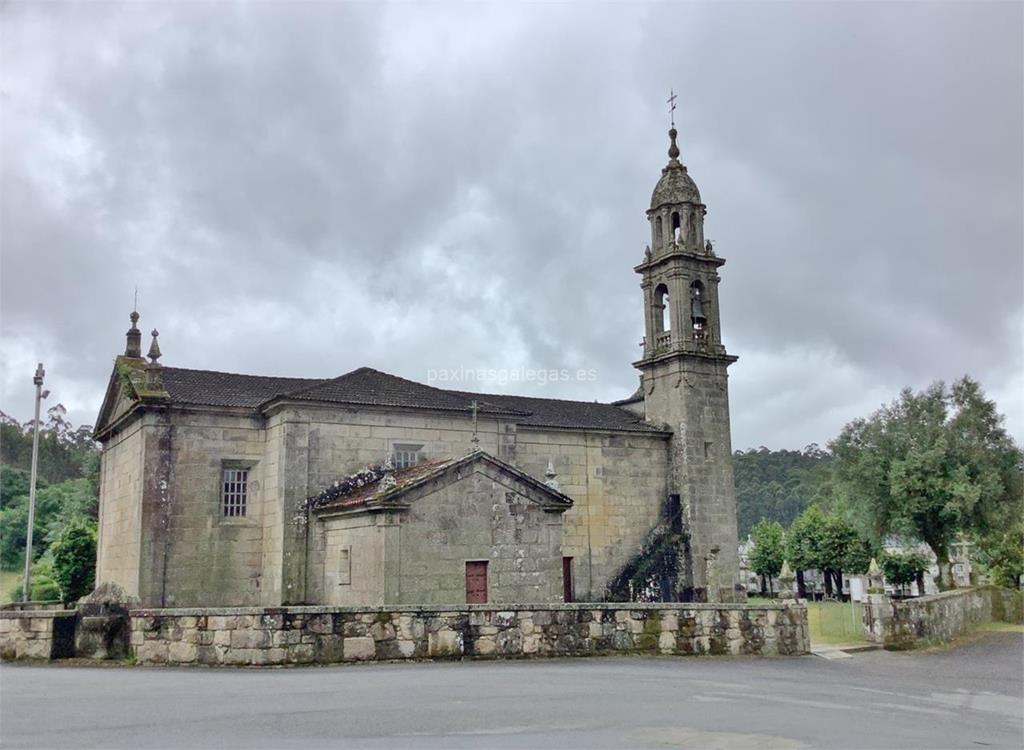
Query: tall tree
x=930, y=465
x=769, y=550
x=805, y=545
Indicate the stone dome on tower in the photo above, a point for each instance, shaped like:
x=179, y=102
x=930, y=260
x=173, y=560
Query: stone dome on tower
x=676, y=185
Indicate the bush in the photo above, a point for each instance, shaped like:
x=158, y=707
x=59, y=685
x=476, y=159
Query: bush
x=74, y=559
x=44, y=588
x=902, y=569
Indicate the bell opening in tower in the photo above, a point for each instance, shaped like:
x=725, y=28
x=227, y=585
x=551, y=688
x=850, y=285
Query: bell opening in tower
x=697, y=317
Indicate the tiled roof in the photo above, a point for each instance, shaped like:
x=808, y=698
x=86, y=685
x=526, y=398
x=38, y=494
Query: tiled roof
x=374, y=388
x=210, y=388
x=403, y=479
x=553, y=412
x=369, y=387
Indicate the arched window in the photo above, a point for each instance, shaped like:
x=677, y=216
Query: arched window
x=662, y=310
x=698, y=316
x=676, y=227
x=659, y=235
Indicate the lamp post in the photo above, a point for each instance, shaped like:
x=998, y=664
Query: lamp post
x=40, y=395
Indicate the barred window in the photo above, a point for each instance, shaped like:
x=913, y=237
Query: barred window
x=234, y=493
x=404, y=455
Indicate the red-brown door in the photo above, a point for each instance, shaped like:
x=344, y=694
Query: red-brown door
x=567, y=579
x=476, y=582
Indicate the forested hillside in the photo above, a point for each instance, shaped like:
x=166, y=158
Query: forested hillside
x=66, y=498
x=778, y=485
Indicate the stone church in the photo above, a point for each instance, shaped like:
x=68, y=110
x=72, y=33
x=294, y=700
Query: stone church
x=368, y=489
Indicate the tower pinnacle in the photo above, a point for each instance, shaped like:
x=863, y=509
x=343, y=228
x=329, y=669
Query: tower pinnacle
x=673, y=149
x=133, y=347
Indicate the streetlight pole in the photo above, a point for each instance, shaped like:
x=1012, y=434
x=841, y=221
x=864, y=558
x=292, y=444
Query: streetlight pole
x=40, y=395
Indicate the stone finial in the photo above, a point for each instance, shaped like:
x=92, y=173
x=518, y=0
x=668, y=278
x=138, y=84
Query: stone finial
x=786, y=579
x=133, y=348
x=550, y=477
x=154, y=348
x=876, y=580
x=673, y=149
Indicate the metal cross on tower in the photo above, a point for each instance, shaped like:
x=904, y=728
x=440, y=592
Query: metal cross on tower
x=672, y=106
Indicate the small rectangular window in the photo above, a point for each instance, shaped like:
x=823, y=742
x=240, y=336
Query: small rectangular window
x=345, y=566
x=234, y=492
x=404, y=455
x=707, y=450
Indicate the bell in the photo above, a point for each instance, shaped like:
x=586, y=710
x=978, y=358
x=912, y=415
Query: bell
x=697, y=310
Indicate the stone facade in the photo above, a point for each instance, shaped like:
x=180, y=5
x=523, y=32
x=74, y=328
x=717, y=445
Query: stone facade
x=321, y=635
x=617, y=482
x=413, y=548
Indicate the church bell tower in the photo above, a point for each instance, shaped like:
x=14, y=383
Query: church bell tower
x=684, y=380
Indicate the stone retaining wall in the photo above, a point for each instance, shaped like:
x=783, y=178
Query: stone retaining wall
x=324, y=635
x=37, y=634
x=907, y=623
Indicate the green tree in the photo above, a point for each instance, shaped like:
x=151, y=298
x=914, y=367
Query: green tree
x=903, y=568
x=14, y=486
x=74, y=559
x=842, y=549
x=805, y=544
x=769, y=550
x=56, y=505
x=930, y=465
x=1001, y=551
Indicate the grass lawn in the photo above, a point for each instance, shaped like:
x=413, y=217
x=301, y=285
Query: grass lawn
x=9, y=579
x=1000, y=627
x=834, y=623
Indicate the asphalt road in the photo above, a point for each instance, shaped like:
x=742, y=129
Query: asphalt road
x=967, y=697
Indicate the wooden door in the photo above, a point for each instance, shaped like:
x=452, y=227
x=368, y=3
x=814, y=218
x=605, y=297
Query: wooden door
x=476, y=582
x=567, y=593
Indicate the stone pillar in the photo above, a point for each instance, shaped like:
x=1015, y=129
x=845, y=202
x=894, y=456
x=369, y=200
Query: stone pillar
x=877, y=606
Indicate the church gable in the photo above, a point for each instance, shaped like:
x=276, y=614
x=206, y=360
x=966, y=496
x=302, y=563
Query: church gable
x=383, y=488
x=126, y=383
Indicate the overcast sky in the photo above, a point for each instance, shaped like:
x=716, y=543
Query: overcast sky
x=306, y=188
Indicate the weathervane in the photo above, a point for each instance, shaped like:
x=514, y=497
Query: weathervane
x=672, y=106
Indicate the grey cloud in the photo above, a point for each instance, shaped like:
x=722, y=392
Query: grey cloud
x=306, y=188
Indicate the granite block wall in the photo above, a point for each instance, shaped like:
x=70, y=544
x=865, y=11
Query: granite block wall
x=899, y=624
x=319, y=635
x=36, y=634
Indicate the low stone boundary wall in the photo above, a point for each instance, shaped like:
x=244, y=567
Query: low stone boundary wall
x=908, y=623
x=325, y=635
x=37, y=633
x=35, y=605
